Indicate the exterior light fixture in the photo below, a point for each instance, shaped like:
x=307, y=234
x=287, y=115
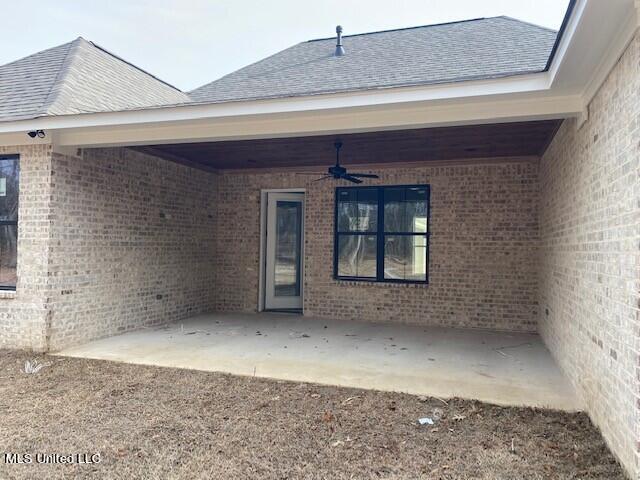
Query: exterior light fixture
x=36, y=133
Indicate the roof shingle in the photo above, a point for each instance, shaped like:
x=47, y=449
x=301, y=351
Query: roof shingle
x=78, y=77
x=81, y=77
x=453, y=52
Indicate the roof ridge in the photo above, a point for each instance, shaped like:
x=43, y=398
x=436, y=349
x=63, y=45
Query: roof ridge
x=403, y=28
x=61, y=95
x=514, y=19
x=36, y=53
x=58, y=84
x=117, y=57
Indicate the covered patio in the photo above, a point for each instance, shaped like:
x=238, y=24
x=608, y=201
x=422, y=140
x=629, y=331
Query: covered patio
x=465, y=324
x=496, y=367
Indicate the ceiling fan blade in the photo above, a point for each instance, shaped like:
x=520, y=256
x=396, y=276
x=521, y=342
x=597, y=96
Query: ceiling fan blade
x=308, y=173
x=348, y=177
x=364, y=175
x=324, y=177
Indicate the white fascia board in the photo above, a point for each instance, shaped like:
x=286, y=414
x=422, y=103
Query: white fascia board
x=21, y=138
x=389, y=96
x=327, y=122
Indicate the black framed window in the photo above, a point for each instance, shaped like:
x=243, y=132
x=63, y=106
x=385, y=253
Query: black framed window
x=9, y=192
x=382, y=233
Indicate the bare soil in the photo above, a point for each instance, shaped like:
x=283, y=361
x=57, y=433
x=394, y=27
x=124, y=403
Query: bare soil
x=149, y=422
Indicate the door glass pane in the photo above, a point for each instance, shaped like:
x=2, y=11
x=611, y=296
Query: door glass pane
x=405, y=210
x=357, y=210
x=8, y=255
x=405, y=257
x=287, y=279
x=357, y=256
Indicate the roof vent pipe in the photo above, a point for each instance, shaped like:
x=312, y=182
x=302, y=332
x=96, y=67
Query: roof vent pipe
x=339, y=49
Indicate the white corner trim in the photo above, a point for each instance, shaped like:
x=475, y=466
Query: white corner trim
x=582, y=118
x=617, y=47
x=67, y=151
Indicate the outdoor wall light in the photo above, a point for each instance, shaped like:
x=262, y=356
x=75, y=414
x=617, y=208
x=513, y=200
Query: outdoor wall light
x=36, y=133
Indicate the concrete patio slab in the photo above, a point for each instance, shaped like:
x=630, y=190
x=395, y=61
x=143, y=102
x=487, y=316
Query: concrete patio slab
x=495, y=367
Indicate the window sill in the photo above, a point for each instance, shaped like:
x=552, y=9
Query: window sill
x=373, y=284
x=7, y=294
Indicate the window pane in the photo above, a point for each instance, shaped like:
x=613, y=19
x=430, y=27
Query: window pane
x=8, y=255
x=405, y=209
x=405, y=257
x=357, y=256
x=288, y=248
x=357, y=210
x=9, y=175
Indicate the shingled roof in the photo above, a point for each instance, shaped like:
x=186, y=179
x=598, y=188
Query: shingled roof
x=482, y=48
x=81, y=77
x=78, y=77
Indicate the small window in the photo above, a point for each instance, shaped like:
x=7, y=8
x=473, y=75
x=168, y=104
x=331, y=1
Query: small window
x=9, y=191
x=382, y=234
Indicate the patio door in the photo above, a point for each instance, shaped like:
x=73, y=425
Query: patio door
x=284, y=263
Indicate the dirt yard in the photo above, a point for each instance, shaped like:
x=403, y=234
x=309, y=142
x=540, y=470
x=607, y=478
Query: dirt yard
x=148, y=422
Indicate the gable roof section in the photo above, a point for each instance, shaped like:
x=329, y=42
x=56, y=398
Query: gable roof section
x=26, y=83
x=78, y=77
x=81, y=77
x=484, y=48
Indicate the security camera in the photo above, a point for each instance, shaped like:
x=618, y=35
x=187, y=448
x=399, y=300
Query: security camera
x=36, y=133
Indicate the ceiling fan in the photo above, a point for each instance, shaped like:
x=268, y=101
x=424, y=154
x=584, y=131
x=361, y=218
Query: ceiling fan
x=339, y=172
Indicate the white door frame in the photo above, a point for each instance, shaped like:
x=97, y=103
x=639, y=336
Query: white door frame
x=263, y=242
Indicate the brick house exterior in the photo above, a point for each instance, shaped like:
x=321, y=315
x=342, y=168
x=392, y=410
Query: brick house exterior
x=500, y=241
x=152, y=240
x=111, y=239
x=589, y=281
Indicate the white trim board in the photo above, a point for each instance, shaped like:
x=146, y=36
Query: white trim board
x=325, y=122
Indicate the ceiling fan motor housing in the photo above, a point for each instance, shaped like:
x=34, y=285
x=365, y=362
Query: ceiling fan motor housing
x=337, y=171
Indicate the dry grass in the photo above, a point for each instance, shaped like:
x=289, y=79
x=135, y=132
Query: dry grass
x=149, y=422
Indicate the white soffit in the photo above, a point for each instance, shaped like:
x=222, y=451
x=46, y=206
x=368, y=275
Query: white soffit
x=596, y=43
